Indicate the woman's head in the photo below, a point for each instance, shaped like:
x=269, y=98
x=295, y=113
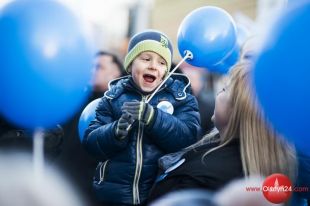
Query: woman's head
x=235, y=104
x=240, y=101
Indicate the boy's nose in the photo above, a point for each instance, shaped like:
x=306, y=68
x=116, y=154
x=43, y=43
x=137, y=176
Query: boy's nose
x=153, y=65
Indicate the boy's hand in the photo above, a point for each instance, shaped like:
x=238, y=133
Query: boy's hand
x=140, y=111
x=123, y=123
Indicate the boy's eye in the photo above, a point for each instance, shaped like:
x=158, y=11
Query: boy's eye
x=163, y=63
x=146, y=58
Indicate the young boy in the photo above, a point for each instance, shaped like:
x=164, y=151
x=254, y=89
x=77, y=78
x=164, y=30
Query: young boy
x=128, y=134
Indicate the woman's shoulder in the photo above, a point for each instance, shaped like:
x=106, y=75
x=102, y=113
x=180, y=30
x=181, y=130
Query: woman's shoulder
x=212, y=157
x=225, y=160
x=221, y=165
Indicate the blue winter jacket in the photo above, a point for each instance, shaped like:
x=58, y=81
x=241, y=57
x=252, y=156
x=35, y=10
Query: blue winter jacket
x=128, y=167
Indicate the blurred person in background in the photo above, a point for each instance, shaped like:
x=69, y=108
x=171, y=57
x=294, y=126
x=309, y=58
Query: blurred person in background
x=235, y=193
x=15, y=138
x=21, y=186
x=250, y=48
x=189, y=197
x=107, y=67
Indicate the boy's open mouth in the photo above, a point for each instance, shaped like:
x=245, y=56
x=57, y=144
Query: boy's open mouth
x=149, y=78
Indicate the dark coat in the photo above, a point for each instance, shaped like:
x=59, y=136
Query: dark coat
x=129, y=167
x=188, y=171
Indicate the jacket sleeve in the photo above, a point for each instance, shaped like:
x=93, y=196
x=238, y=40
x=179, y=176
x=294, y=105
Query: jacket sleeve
x=99, y=138
x=174, y=132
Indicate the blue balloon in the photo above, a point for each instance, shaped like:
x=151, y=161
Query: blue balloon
x=282, y=76
x=45, y=61
x=210, y=34
x=88, y=114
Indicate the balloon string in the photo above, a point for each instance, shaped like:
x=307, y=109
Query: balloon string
x=38, y=154
x=188, y=55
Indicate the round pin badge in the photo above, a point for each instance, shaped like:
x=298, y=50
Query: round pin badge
x=166, y=107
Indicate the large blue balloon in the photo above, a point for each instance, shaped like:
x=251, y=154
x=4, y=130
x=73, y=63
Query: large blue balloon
x=282, y=76
x=210, y=34
x=88, y=114
x=45, y=61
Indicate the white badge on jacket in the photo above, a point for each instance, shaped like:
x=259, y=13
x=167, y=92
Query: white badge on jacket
x=166, y=107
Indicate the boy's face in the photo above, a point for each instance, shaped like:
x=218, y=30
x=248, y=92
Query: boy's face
x=148, y=70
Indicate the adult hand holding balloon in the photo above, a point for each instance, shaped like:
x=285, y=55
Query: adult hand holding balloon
x=282, y=76
x=210, y=34
x=45, y=63
x=88, y=114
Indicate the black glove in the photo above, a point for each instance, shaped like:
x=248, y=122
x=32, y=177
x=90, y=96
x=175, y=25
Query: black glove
x=140, y=111
x=123, y=126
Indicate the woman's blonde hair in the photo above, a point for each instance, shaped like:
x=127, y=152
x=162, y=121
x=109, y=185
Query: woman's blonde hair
x=263, y=151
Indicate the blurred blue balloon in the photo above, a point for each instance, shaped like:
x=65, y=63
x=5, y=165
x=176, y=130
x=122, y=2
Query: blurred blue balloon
x=88, y=114
x=45, y=63
x=282, y=76
x=210, y=34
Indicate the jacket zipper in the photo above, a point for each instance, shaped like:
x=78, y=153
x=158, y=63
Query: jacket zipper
x=102, y=171
x=139, y=162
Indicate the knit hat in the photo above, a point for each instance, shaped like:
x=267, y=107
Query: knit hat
x=149, y=40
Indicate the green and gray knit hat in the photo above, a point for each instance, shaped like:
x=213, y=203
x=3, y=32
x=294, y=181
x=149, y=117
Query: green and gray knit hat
x=149, y=40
